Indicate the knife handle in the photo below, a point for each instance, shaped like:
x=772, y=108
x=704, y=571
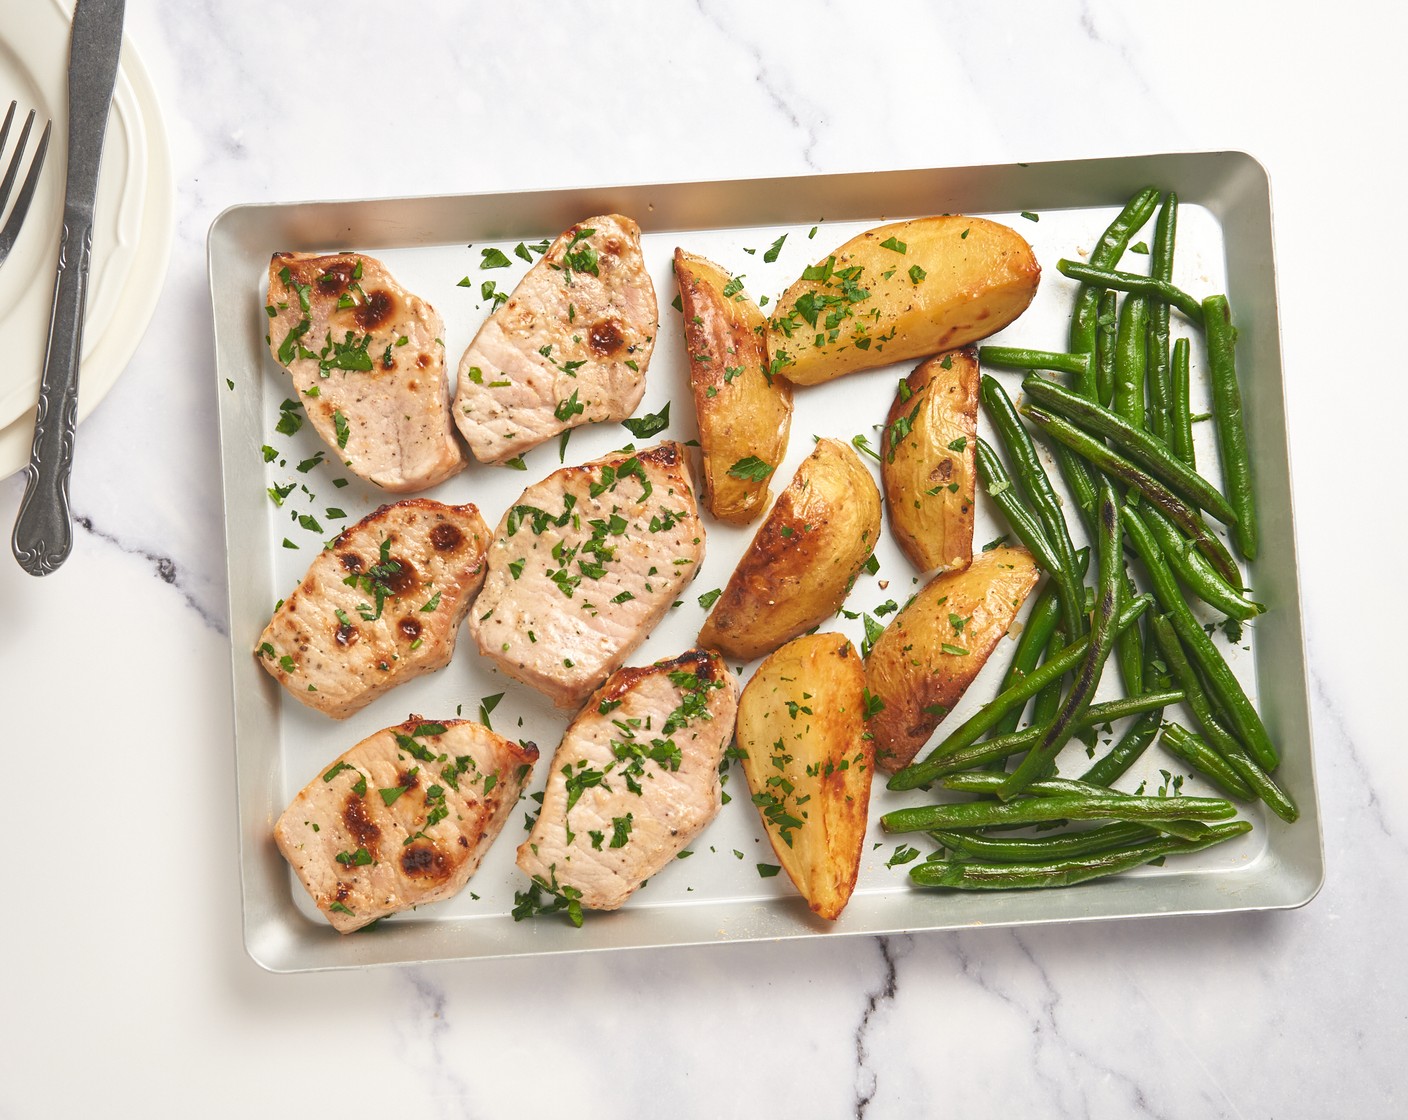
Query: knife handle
x=43, y=533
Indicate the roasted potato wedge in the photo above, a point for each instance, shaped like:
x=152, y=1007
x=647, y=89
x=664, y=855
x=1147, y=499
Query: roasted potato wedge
x=801, y=732
x=932, y=650
x=901, y=291
x=803, y=559
x=926, y=461
x=742, y=410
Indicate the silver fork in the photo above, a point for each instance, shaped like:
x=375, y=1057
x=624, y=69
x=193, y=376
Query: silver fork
x=11, y=228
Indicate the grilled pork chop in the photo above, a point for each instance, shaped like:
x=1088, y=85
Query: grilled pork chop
x=584, y=566
x=635, y=779
x=569, y=347
x=367, y=359
x=382, y=605
x=403, y=818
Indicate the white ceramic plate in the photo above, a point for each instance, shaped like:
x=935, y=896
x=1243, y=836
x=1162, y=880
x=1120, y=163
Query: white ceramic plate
x=131, y=233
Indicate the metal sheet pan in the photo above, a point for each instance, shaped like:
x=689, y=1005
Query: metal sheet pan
x=717, y=894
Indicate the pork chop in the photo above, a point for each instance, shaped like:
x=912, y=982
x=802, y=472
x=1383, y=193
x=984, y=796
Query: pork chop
x=635, y=779
x=584, y=565
x=368, y=360
x=383, y=604
x=569, y=347
x=403, y=818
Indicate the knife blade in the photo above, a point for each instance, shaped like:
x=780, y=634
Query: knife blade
x=43, y=535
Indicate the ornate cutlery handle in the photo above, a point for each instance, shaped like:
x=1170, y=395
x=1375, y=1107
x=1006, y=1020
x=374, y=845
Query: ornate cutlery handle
x=43, y=533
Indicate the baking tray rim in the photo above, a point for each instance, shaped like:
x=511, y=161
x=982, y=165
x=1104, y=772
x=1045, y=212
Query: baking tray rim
x=264, y=950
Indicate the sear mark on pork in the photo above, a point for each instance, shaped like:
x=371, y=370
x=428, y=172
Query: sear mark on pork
x=635, y=779
x=570, y=346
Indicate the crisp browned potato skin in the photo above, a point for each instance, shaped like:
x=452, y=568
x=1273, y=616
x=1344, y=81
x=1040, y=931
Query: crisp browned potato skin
x=803, y=559
x=741, y=409
x=977, y=276
x=908, y=669
x=927, y=471
x=809, y=763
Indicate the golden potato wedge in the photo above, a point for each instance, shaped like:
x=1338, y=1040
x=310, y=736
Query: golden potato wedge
x=930, y=653
x=926, y=461
x=803, y=559
x=801, y=732
x=742, y=410
x=900, y=291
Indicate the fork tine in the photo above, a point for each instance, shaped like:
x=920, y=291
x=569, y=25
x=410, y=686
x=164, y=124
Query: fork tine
x=14, y=168
x=5, y=128
x=26, y=195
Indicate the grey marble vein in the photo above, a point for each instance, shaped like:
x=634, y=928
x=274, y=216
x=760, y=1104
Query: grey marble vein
x=867, y=1078
x=424, y=1034
x=164, y=568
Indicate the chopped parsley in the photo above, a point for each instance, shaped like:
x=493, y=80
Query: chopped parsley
x=376, y=582
x=750, y=469
x=566, y=409
x=648, y=425
x=290, y=418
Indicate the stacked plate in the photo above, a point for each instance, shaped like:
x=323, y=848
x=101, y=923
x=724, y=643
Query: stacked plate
x=132, y=230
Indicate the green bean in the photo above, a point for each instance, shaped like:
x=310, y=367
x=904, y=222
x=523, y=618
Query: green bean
x=1106, y=253
x=1195, y=572
x=922, y=772
x=1246, y=722
x=1140, y=446
x=1034, y=810
x=1221, y=740
x=1125, y=706
x=1129, y=646
x=1106, y=345
x=1133, y=743
x=1010, y=743
x=1048, y=700
x=1157, y=363
x=973, y=875
x=1000, y=489
x=1262, y=784
x=1197, y=753
x=1127, y=399
x=1176, y=658
x=1040, y=625
x=980, y=782
x=1134, y=283
x=1079, y=366
x=1117, y=466
x=1079, y=480
x=1180, y=426
x=1036, y=487
x=1227, y=414
x=1102, y=637
x=1012, y=357
x=1021, y=849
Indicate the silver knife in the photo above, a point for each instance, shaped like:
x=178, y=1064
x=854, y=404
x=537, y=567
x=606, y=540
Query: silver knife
x=44, y=529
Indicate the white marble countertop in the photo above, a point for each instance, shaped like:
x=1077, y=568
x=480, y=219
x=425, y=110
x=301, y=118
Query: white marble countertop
x=124, y=982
